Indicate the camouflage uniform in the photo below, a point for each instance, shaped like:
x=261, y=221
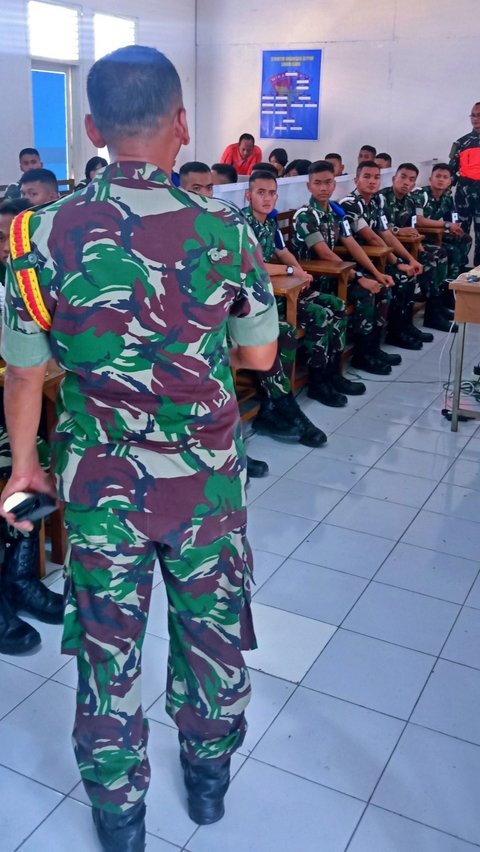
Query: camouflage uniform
x=371, y=215
x=465, y=167
x=275, y=382
x=313, y=224
x=402, y=213
x=443, y=208
x=141, y=280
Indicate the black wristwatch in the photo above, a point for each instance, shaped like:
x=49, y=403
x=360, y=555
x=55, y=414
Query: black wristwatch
x=395, y=229
x=290, y=270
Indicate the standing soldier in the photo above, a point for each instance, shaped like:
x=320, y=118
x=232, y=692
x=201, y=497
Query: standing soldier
x=465, y=168
x=134, y=285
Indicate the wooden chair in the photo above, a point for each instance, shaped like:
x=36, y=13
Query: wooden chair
x=377, y=254
x=436, y=233
x=413, y=244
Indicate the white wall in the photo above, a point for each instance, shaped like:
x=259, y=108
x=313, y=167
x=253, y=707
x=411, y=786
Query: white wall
x=398, y=74
x=168, y=26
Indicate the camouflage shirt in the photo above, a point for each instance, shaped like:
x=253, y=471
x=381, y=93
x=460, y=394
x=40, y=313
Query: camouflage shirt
x=401, y=212
x=362, y=215
x=436, y=208
x=267, y=233
x=314, y=224
x=462, y=152
x=141, y=280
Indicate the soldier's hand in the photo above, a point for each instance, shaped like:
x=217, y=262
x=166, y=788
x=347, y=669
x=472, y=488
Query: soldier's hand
x=385, y=280
x=417, y=267
x=407, y=268
x=370, y=284
x=304, y=276
x=457, y=230
x=33, y=480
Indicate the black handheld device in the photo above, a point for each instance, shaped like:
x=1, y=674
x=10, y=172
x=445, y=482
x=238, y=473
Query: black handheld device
x=29, y=506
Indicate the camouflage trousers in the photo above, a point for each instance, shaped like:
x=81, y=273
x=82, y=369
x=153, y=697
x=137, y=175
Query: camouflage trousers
x=206, y=566
x=457, y=251
x=323, y=320
x=6, y=454
x=435, y=270
x=370, y=309
x=403, y=293
x=467, y=202
x=277, y=381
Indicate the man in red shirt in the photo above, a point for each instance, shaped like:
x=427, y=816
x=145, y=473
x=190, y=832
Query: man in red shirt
x=243, y=155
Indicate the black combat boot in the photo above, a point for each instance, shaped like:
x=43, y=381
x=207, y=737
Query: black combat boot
x=435, y=315
x=342, y=384
x=21, y=585
x=207, y=783
x=124, y=832
x=288, y=409
x=320, y=387
x=16, y=636
x=365, y=357
x=413, y=330
x=400, y=332
x=386, y=357
x=256, y=468
x=274, y=420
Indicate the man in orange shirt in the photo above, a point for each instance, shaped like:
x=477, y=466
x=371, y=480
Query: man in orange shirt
x=243, y=155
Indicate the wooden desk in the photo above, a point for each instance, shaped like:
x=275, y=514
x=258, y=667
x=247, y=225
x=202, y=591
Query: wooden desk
x=436, y=233
x=290, y=287
x=377, y=254
x=413, y=244
x=467, y=310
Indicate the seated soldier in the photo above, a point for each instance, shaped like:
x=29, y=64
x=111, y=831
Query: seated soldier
x=196, y=177
x=297, y=167
x=284, y=419
x=29, y=158
x=318, y=228
x=279, y=159
x=383, y=160
x=39, y=186
x=336, y=161
x=20, y=587
x=366, y=154
x=439, y=211
x=223, y=173
x=402, y=207
x=364, y=210
x=320, y=315
x=242, y=155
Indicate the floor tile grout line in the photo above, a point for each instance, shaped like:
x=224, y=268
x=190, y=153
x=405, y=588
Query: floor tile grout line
x=40, y=823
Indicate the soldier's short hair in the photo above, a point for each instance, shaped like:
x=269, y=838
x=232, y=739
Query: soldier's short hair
x=382, y=155
x=12, y=206
x=371, y=150
x=443, y=167
x=131, y=89
x=194, y=166
x=320, y=166
x=265, y=167
x=45, y=176
x=262, y=174
x=333, y=156
x=227, y=171
x=300, y=166
x=367, y=164
x=409, y=167
x=32, y=152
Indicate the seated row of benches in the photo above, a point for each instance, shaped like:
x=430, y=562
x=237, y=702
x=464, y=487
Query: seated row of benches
x=289, y=288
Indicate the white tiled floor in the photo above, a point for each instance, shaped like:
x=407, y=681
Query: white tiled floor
x=364, y=726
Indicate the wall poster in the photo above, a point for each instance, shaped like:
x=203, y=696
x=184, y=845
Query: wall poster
x=290, y=94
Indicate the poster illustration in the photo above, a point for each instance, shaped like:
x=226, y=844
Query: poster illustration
x=290, y=94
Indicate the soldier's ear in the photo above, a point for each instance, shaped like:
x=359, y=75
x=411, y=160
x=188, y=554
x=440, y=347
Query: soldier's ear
x=181, y=126
x=93, y=132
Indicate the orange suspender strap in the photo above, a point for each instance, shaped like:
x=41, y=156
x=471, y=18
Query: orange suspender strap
x=24, y=261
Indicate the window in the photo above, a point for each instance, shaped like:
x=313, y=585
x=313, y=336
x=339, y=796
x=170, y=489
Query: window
x=53, y=31
x=112, y=32
x=51, y=116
